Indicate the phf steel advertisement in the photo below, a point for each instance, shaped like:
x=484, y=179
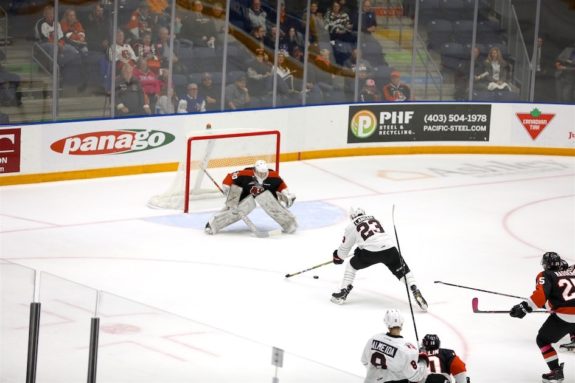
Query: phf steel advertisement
x=413, y=122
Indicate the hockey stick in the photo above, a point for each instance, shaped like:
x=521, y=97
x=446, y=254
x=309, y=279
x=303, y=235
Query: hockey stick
x=475, y=307
x=311, y=268
x=247, y=221
x=484, y=291
x=404, y=275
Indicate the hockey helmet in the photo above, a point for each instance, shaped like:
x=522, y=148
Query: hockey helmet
x=355, y=212
x=261, y=169
x=430, y=342
x=393, y=318
x=551, y=261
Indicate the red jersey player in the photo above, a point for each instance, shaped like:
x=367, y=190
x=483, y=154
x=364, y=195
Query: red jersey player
x=443, y=362
x=555, y=291
x=244, y=188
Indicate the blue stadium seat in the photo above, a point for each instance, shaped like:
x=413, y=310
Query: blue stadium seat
x=463, y=31
x=428, y=10
x=438, y=32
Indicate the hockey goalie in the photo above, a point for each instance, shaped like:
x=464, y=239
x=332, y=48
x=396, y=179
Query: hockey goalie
x=245, y=188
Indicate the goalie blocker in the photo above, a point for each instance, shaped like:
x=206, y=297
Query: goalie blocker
x=246, y=187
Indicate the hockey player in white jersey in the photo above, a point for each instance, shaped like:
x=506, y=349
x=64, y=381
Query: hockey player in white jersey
x=389, y=358
x=374, y=245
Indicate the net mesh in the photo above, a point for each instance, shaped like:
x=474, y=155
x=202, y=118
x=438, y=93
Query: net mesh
x=211, y=158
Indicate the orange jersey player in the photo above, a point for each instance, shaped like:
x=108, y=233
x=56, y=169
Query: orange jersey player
x=443, y=362
x=555, y=291
x=250, y=184
x=244, y=188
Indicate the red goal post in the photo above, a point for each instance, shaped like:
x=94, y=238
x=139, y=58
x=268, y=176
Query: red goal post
x=239, y=148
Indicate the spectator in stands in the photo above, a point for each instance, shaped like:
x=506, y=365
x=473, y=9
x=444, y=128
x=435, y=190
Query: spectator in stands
x=130, y=98
x=258, y=33
x=461, y=77
x=198, y=27
x=285, y=74
x=292, y=39
x=45, y=35
x=395, y=90
x=256, y=16
x=98, y=30
x=74, y=33
x=237, y=94
x=565, y=75
x=211, y=93
x=497, y=70
x=324, y=76
x=369, y=92
x=167, y=102
x=317, y=30
x=9, y=84
x=145, y=49
x=338, y=23
x=219, y=20
x=124, y=53
x=195, y=103
x=368, y=19
x=270, y=38
x=163, y=51
x=362, y=68
x=260, y=74
x=140, y=22
x=149, y=81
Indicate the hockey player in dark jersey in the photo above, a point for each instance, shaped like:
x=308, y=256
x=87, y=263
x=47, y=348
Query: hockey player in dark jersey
x=244, y=188
x=443, y=362
x=555, y=291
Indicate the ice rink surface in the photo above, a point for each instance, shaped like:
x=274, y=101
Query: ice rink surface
x=473, y=220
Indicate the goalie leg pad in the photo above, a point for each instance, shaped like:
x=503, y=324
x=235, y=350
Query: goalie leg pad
x=233, y=197
x=278, y=213
x=230, y=215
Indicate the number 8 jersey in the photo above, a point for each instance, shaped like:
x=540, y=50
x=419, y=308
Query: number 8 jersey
x=367, y=233
x=390, y=358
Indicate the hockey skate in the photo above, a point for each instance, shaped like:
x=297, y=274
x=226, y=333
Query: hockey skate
x=555, y=376
x=208, y=229
x=340, y=297
x=569, y=346
x=419, y=298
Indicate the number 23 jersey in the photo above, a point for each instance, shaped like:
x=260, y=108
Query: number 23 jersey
x=367, y=233
x=391, y=358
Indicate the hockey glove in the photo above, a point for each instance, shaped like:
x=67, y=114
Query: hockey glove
x=423, y=358
x=336, y=259
x=520, y=310
x=287, y=198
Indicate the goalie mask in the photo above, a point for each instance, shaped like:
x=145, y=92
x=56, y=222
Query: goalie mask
x=355, y=212
x=261, y=169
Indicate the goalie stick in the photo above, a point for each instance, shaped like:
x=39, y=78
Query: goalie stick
x=475, y=307
x=253, y=228
x=311, y=268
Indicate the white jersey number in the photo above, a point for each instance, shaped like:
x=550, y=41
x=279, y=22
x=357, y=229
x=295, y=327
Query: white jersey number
x=368, y=228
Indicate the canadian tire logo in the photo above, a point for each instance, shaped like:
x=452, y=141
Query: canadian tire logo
x=363, y=124
x=112, y=142
x=534, y=122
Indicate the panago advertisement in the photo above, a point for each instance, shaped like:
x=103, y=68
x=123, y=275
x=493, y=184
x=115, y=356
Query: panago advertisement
x=108, y=144
x=543, y=125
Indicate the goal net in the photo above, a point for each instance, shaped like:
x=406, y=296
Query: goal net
x=210, y=155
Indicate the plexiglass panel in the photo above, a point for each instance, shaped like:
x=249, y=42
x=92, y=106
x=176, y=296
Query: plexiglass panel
x=16, y=294
x=67, y=309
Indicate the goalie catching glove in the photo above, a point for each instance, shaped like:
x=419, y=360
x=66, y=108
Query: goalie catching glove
x=286, y=197
x=520, y=310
